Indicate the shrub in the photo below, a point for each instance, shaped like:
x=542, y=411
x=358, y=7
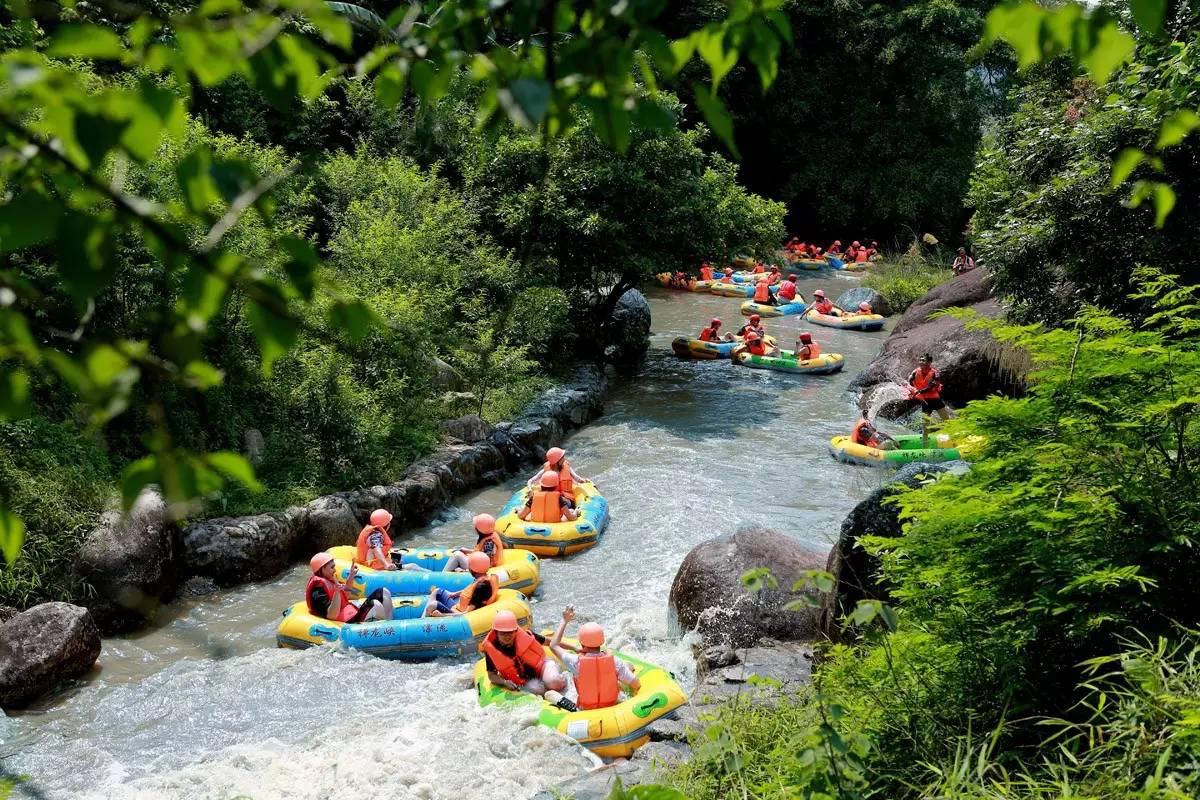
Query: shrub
x=906, y=280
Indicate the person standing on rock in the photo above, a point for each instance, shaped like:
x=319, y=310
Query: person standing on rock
x=487, y=541
x=962, y=262
x=598, y=676
x=925, y=389
x=327, y=600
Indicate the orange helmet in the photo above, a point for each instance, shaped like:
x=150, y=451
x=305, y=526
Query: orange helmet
x=755, y=318
x=806, y=337
x=380, y=518
x=549, y=479
x=555, y=454
x=484, y=523
x=318, y=562
x=729, y=270
x=591, y=635
x=505, y=621
x=478, y=563
x=791, y=276
x=716, y=322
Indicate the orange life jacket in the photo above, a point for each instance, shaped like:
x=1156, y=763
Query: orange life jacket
x=335, y=594
x=727, y=279
x=596, y=682
x=923, y=383
x=759, y=268
x=762, y=292
x=566, y=484
x=774, y=278
x=757, y=348
x=706, y=273
x=859, y=436
x=813, y=351
x=465, y=599
x=861, y=256
x=546, y=506
x=497, y=546
x=709, y=334
x=787, y=291
x=362, y=556
x=527, y=663
x=823, y=306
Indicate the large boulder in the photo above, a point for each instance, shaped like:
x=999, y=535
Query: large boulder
x=972, y=364
x=236, y=550
x=329, y=521
x=469, y=428
x=708, y=595
x=855, y=571
x=628, y=333
x=864, y=294
x=42, y=648
x=130, y=564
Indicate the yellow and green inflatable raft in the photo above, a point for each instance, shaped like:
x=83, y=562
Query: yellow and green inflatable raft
x=555, y=538
x=613, y=732
x=824, y=364
x=911, y=449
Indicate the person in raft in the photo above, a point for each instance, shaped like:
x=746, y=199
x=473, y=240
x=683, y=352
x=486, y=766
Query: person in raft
x=868, y=435
x=706, y=271
x=680, y=280
x=556, y=461
x=713, y=333
x=962, y=262
x=865, y=308
x=328, y=600
x=598, y=677
x=487, y=541
x=544, y=501
x=787, y=290
x=374, y=546
x=823, y=305
x=754, y=324
x=728, y=277
x=756, y=345
x=925, y=388
x=516, y=660
x=806, y=348
x=483, y=592
x=774, y=276
x=763, y=295
x=835, y=249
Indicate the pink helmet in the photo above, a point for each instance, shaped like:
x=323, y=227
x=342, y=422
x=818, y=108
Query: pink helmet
x=591, y=635
x=549, y=479
x=864, y=307
x=752, y=336
x=855, y=244
x=380, y=518
x=716, y=321
x=478, y=563
x=555, y=454
x=484, y=523
x=505, y=621
x=819, y=293
x=806, y=337
x=755, y=318
x=318, y=562
x=791, y=276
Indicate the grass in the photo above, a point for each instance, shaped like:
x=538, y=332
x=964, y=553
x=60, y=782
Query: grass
x=906, y=280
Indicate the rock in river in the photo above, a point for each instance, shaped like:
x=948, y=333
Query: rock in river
x=42, y=648
x=708, y=595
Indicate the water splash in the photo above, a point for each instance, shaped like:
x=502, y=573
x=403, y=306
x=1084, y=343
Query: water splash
x=884, y=393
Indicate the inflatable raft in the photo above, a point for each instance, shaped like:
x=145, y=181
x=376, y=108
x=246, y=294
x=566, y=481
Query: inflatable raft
x=824, y=364
x=518, y=569
x=408, y=635
x=848, y=321
x=707, y=351
x=910, y=449
x=693, y=285
x=555, y=538
x=797, y=306
x=735, y=289
x=613, y=732
x=810, y=264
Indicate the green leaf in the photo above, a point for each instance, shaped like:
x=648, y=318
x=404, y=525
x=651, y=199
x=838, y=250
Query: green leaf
x=86, y=254
x=1148, y=14
x=12, y=535
x=526, y=101
x=759, y=578
x=195, y=180
x=1125, y=163
x=710, y=43
x=650, y=791
x=716, y=114
x=205, y=288
x=1112, y=49
x=1019, y=24
x=353, y=317
x=865, y=612
x=203, y=375
x=98, y=135
x=649, y=115
x=235, y=466
x=1164, y=202
x=275, y=334
x=1176, y=127
x=14, y=394
x=86, y=41
x=389, y=85
x=29, y=219
x=888, y=615
x=137, y=476
x=301, y=265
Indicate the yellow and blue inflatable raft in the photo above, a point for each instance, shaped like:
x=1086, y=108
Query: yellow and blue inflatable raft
x=518, y=569
x=555, y=538
x=685, y=347
x=613, y=732
x=796, y=306
x=408, y=636
x=856, y=321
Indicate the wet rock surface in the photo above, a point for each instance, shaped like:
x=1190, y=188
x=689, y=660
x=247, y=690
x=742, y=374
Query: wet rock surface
x=708, y=595
x=863, y=294
x=43, y=648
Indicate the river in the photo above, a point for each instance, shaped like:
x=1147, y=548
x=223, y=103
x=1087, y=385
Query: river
x=207, y=707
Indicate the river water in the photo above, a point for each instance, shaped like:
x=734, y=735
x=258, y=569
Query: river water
x=207, y=707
